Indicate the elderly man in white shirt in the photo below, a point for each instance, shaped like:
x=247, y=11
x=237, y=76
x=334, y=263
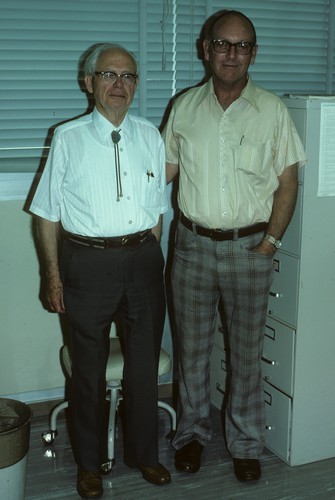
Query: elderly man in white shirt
x=104, y=190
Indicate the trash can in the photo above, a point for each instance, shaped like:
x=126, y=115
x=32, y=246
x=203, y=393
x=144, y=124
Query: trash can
x=15, y=420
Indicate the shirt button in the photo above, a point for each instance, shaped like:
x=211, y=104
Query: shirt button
x=130, y=222
x=125, y=173
x=121, y=149
x=128, y=197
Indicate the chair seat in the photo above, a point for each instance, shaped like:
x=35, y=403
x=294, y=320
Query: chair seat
x=114, y=374
x=114, y=369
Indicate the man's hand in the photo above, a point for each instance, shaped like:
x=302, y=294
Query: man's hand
x=54, y=295
x=265, y=247
x=48, y=235
x=157, y=230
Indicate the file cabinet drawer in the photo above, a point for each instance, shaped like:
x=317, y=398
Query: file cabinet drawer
x=278, y=418
x=218, y=374
x=283, y=296
x=278, y=355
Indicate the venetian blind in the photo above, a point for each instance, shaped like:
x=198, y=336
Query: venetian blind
x=42, y=42
x=293, y=36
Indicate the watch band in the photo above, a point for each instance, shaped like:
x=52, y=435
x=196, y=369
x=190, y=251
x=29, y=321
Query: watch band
x=276, y=243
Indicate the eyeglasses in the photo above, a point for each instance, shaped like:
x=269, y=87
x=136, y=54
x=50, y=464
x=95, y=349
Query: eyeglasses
x=128, y=79
x=223, y=47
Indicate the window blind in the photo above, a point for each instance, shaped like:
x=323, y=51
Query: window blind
x=42, y=42
x=292, y=39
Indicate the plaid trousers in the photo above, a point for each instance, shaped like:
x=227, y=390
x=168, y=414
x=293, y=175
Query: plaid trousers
x=205, y=271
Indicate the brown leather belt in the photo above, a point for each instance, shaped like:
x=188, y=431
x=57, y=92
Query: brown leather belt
x=113, y=242
x=222, y=235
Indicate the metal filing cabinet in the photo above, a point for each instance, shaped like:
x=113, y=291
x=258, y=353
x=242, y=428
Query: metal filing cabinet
x=299, y=341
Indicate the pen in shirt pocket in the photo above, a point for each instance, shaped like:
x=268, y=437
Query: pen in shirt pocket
x=150, y=174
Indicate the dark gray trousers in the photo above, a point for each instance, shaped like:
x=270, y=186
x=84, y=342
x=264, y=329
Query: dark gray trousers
x=100, y=285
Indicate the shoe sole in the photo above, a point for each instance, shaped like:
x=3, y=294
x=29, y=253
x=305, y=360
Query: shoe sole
x=84, y=495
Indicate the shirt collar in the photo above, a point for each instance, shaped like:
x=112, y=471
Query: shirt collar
x=248, y=93
x=105, y=128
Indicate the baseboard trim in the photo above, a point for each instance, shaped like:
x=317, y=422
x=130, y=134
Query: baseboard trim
x=42, y=402
x=165, y=390
x=37, y=396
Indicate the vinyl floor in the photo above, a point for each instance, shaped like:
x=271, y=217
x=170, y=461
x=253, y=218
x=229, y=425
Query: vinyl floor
x=51, y=472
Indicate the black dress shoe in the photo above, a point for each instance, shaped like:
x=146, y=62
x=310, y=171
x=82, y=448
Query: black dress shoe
x=89, y=484
x=155, y=475
x=247, y=469
x=188, y=458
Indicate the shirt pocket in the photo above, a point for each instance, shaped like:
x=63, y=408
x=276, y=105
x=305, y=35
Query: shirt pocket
x=151, y=193
x=253, y=157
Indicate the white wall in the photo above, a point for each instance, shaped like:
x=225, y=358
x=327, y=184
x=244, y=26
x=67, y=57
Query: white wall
x=30, y=336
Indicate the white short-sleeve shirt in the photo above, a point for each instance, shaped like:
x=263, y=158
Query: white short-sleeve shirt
x=78, y=184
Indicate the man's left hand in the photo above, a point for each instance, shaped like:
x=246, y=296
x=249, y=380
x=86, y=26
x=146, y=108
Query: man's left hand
x=265, y=248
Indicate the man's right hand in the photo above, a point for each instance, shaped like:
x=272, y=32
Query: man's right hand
x=54, y=295
x=48, y=235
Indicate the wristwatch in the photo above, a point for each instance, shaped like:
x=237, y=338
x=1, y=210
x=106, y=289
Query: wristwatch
x=272, y=239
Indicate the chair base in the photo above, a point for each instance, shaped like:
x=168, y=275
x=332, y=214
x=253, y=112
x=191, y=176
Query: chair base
x=114, y=395
x=107, y=467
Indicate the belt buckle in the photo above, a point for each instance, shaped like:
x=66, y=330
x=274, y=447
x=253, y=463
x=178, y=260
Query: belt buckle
x=124, y=240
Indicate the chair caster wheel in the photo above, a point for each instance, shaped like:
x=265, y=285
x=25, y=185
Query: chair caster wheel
x=49, y=436
x=50, y=453
x=107, y=467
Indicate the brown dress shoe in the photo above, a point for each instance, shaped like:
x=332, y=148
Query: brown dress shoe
x=155, y=475
x=89, y=484
x=188, y=458
x=247, y=469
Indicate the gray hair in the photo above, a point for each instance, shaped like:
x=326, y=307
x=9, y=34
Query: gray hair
x=94, y=54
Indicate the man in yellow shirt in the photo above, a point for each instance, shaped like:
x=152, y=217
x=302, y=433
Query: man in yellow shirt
x=237, y=154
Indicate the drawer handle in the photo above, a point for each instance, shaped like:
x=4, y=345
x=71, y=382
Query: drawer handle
x=267, y=398
x=269, y=361
x=270, y=332
x=275, y=294
x=268, y=427
x=219, y=388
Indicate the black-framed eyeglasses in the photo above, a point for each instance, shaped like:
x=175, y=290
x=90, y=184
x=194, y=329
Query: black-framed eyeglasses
x=223, y=46
x=128, y=79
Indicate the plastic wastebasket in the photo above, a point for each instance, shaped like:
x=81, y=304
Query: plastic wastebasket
x=15, y=420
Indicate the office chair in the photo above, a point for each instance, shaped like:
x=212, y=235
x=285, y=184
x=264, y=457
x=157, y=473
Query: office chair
x=114, y=373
